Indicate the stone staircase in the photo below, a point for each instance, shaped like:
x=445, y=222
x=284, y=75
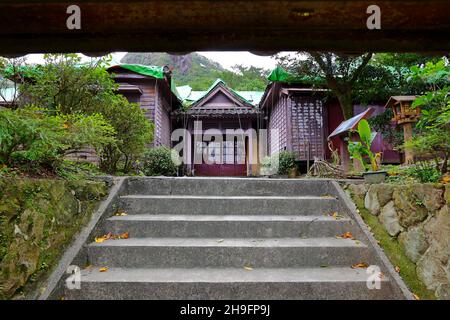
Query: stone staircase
x=231, y=238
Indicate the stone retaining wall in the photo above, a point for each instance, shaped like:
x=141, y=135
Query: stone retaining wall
x=38, y=219
x=418, y=216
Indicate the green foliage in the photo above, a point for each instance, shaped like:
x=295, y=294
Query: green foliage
x=383, y=123
x=432, y=134
x=362, y=78
x=68, y=85
x=133, y=133
x=65, y=85
x=279, y=163
x=160, y=161
x=360, y=149
x=32, y=139
x=287, y=162
x=388, y=74
x=72, y=170
x=424, y=172
x=339, y=71
x=245, y=78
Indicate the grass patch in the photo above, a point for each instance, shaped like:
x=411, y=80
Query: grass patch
x=394, y=251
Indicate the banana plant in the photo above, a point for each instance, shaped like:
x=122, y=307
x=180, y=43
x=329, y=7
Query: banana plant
x=360, y=149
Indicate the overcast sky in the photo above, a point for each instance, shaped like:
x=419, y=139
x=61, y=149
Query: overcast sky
x=226, y=59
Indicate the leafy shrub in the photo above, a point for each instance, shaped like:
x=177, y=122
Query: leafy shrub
x=65, y=84
x=133, y=133
x=432, y=137
x=424, y=172
x=32, y=139
x=159, y=161
x=287, y=162
x=279, y=163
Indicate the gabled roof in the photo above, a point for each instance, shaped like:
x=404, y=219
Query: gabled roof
x=191, y=97
x=394, y=99
x=220, y=83
x=220, y=100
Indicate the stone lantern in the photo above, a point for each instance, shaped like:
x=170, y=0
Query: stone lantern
x=404, y=115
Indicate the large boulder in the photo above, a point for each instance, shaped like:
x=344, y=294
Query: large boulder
x=414, y=242
x=389, y=219
x=358, y=190
x=411, y=210
x=377, y=197
x=433, y=268
x=447, y=194
x=430, y=195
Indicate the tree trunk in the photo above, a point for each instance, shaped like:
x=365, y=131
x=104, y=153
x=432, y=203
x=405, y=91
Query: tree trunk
x=346, y=102
x=444, y=164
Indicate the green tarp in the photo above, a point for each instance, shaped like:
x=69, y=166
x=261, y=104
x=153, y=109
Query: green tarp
x=151, y=71
x=280, y=75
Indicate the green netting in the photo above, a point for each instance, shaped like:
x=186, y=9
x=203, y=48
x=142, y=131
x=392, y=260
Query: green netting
x=151, y=71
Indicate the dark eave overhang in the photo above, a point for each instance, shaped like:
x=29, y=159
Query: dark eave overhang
x=261, y=26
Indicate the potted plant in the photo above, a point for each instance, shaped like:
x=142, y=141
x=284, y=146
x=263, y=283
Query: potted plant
x=360, y=149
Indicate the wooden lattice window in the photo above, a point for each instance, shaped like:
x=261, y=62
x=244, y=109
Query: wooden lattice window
x=307, y=127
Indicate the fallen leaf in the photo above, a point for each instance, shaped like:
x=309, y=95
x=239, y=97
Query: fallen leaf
x=62, y=298
x=357, y=242
x=99, y=240
x=381, y=275
x=360, y=265
x=124, y=235
x=88, y=266
x=220, y=241
x=446, y=179
x=248, y=268
x=416, y=297
x=103, y=269
x=346, y=235
x=397, y=269
x=121, y=214
x=104, y=238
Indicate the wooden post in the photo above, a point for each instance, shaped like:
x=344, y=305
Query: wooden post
x=407, y=136
x=345, y=155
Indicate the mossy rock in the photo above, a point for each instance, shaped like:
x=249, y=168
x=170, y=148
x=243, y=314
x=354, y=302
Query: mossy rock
x=410, y=209
x=89, y=190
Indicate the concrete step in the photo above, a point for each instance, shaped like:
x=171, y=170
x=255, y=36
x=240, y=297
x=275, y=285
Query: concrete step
x=228, y=283
x=232, y=252
x=227, y=226
x=226, y=186
x=236, y=205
